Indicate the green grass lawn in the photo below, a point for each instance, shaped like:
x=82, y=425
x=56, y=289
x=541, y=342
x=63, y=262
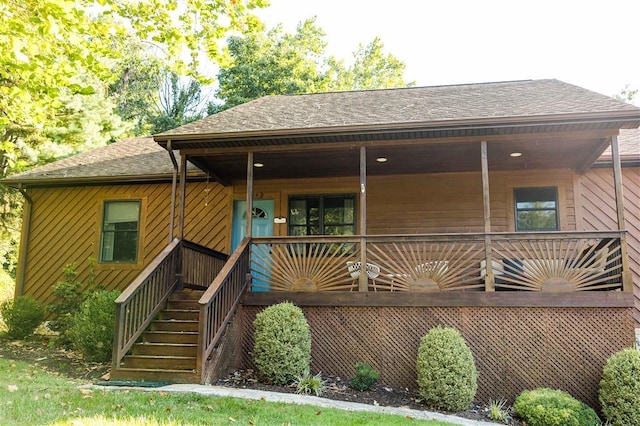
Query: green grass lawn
x=31, y=396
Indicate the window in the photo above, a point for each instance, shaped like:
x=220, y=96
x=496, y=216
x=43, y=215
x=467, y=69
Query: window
x=322, y=215
x=536, y=209
x=120, y=230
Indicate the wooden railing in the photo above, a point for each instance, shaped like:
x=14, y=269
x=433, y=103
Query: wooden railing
x=200, y=264
x=181, y=261
x=219, y=303
x=143, y=299
x=534, y=261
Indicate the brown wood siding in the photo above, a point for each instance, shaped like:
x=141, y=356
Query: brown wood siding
x=599, y=213
x=429, y=203
x=66, y=222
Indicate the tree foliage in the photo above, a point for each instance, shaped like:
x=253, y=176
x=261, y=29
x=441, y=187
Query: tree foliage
x=274, y=62
x=67, y=73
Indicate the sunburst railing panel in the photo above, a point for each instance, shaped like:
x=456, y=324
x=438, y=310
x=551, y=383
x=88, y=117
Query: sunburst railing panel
x=556, y=263
x=322, y=264
x=427, y=264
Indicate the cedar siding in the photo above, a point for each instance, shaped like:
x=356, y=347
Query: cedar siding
x=65, y=228
x=599, y=212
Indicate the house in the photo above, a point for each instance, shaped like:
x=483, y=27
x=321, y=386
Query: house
x=495, y=208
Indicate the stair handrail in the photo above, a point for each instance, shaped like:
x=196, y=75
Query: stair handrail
x=143, y=298
x=219, y=302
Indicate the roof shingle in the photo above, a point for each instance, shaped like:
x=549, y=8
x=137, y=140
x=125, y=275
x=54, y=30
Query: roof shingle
x=528, y=98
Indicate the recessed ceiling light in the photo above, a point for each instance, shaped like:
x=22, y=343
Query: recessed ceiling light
x=516, y=154
x=258, y=165
x=381, y=159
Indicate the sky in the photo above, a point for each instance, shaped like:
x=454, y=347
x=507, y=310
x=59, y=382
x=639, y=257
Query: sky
x=594, y=44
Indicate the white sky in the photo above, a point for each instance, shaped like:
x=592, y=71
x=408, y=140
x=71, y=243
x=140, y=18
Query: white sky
x=590, y=43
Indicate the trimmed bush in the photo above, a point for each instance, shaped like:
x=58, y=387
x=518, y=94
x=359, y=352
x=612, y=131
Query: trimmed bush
x=22, y=316
x=366, y=376
x=447, y=375
x=620, y=388
x=92, y=327
x=282, y=349
x=552, y=407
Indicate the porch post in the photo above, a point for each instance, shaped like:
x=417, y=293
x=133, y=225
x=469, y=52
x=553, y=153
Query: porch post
x=363, y=283
x=489, y=279
x=183, y=188
x=174, y=186
x=627, y=284
x=249, y=224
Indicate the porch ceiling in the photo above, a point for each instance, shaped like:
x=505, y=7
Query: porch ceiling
x=416, y=157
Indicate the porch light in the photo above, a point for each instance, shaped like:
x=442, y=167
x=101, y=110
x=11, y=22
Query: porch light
x=516, y=154
x=381, y=159
x=258, y=165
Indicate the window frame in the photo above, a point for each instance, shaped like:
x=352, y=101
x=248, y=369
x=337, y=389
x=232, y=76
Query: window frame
x=321, y=219
x=103, y=231
x=556, y=208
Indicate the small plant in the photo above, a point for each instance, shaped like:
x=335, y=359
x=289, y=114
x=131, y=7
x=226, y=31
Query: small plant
x=620, y=388
x=366, y=376
x=552, y=407
x=67, y=296
x=308, y=384
x=282, y=348
x=499, y=410
x=447, y=375
x=21, y=316
x=92, y=327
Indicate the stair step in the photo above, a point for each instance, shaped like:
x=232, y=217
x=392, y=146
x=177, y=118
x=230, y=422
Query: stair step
x=176, y=337
x=160, y=362
x=174, y=325
x=186, y=294
x=165, y=349
x=187, y=305
x=154, y=375
x=180, y=314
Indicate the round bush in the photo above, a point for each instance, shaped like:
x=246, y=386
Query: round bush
x=282, y=349
x=92, y=326
x=552, y=407
x=22, y=316
x=620, y=388
x=447, y=375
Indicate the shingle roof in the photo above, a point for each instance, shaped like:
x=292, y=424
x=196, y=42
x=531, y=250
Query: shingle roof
x=128, y=158
x=135, y=158
x=528, y=98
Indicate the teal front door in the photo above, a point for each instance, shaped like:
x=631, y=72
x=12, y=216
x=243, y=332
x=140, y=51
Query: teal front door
x=262, y=226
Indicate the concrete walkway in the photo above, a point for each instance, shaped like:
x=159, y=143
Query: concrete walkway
x=291, y=398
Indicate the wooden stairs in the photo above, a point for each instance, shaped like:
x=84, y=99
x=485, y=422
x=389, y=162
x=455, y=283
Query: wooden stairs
x=168, y=347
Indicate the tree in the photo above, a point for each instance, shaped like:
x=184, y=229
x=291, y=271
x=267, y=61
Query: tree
x=179, y=102
x=267, y=63
x=62, y=59
x=627, y=94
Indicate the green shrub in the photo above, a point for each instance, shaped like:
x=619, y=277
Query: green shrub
x=92, y=326
x=21, y=316
x=282, y=350
x=67, y=295
x=620, y=388
x=366, y=376
x=447, y=375
x=309, y=384
x=551, y=407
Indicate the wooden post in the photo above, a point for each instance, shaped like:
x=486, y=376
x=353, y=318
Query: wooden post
x=183, y=189
x=363, y=284
x=627, y=283
x=249, y=224
x=174, y=186
x=489, y=279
